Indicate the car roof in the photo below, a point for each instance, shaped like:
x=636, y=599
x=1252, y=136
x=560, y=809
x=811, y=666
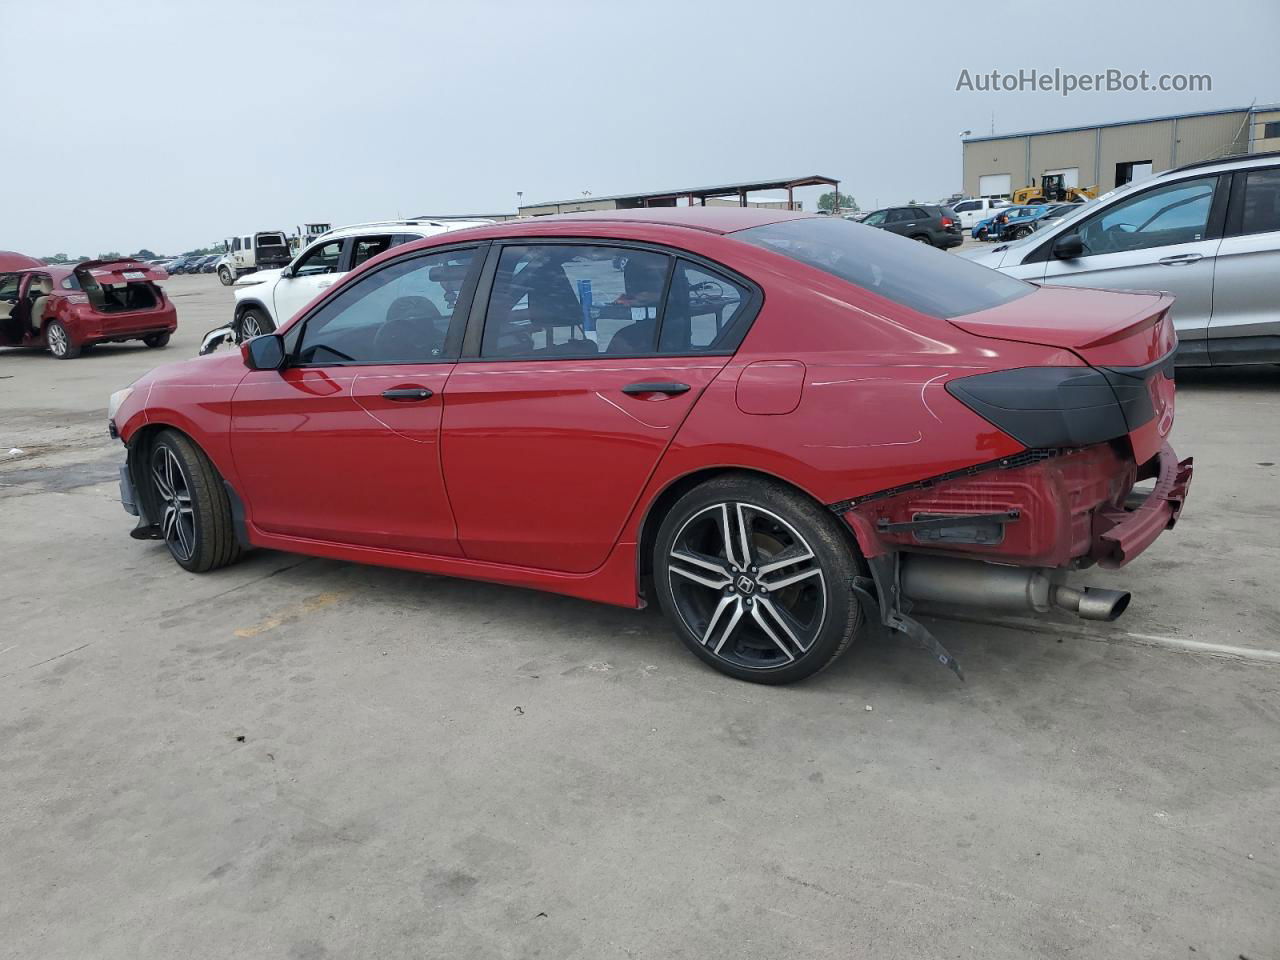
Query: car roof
x=11, y=262
x=720, y=220
x=56, y=272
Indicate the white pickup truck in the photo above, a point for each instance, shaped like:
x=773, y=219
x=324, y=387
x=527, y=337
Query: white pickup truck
x=254, y=251
x=973, y=212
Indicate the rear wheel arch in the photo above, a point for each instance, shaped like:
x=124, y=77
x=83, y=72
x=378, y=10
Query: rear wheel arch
x=666, y=498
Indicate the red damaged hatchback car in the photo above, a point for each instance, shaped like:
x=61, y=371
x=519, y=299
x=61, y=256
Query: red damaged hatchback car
x=69, y=308
x=768, y=422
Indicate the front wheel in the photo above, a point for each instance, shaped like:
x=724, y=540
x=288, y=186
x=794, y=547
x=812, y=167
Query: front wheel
x=156, y=340
x=190, y=504
x=226, y=276
x=756, y=579
x=1021, y=232
x=253, y=323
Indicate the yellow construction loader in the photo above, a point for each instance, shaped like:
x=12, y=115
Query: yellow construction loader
x=1052, y=189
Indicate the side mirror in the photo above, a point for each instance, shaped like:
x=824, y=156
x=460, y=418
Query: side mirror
x=1068, y=247
x=286, y=272
x=263, y=353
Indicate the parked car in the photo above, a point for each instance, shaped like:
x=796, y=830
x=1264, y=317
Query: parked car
x=990, y=228
x=1209, y=233
x=622, y=406
x=208, y=264
x=66, y=309
x=969, y=212
x=181, y=264
x=1017, y=223
x=921, y=222
x=1054, y=212
x=266, y=298
x=264, y=250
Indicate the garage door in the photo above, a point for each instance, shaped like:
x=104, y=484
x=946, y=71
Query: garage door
x=995, y=185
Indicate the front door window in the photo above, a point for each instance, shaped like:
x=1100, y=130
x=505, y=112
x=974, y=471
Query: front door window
x=1175, y=213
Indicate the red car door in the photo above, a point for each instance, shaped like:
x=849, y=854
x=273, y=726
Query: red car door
x=342, y=444
x=552, y=430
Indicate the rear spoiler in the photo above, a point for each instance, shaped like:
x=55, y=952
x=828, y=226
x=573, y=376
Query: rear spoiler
x=121, y=271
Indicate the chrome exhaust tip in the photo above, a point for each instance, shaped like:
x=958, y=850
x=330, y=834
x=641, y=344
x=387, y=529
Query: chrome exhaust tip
x=1092, y=603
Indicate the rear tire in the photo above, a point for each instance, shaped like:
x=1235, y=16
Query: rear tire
x=225, y=276
x=923, y=238
x=784, y=611
x=156, y=340
x=59, y=341
x=190, y=504
x=252, y=323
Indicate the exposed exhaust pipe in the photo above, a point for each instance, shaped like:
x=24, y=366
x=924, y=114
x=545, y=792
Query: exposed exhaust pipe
x=973, y=583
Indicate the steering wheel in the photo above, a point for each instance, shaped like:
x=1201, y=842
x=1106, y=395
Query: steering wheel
x=411, y=335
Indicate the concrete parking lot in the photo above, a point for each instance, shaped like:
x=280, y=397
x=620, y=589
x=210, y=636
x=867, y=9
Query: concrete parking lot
x=306, y=759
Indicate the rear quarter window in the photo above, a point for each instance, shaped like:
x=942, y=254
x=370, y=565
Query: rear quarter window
x=909, y=273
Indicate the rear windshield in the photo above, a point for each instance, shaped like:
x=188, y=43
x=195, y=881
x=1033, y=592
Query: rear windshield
x=912, y=274
x=271, y=240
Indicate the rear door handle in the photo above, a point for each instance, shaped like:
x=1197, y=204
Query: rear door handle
x=1181, y=258
x=408, y=394
x=656, y=386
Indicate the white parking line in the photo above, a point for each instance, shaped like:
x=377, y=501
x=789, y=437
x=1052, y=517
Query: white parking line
x=1252, y=654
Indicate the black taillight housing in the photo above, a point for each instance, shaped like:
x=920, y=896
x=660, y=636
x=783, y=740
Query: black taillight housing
x=1059, y=406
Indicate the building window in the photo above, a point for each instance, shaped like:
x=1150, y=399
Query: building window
x=1271, y=130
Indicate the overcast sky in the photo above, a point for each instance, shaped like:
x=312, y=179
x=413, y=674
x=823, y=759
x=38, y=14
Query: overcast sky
x=172, y=124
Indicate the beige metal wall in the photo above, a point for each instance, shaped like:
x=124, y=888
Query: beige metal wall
x=1053, y=151
x=1205, y=138
x=1134, y=143
x=544, y=209
x=1006, y=155
x=1260, y=143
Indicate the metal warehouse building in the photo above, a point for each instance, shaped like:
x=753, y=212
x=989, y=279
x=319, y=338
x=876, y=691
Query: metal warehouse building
x=1110, y=154
x=736, y=194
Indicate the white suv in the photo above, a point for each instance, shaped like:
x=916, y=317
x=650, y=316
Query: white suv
x=267, y=298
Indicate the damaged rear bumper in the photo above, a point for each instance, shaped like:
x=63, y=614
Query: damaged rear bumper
x=1120, y=534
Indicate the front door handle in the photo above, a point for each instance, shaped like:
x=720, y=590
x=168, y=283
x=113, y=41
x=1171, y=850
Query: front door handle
x=1181, y=258
x=657, y=386
x=408, y=394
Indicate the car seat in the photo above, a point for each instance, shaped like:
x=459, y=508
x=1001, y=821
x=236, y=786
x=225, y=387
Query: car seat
x=39, y=292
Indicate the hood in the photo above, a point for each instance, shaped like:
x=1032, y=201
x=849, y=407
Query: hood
x=258, y=276
x=993, y=257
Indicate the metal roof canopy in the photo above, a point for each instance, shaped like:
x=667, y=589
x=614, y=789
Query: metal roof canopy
x=668, y=198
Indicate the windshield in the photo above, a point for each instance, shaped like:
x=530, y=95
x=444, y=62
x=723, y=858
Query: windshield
x=901, y=270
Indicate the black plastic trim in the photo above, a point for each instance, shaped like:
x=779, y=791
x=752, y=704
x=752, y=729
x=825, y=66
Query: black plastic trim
x=1233, y=351
x=238, y=523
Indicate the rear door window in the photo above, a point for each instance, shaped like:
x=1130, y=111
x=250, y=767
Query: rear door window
x=705, y=312
x=569, y=300
x=366, y=248
x=1261, y=201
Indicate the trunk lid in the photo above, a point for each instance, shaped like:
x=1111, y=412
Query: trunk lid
x=1102, y=327
x=112, y=272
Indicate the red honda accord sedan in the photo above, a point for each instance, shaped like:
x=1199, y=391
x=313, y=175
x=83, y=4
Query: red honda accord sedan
x=767, y=422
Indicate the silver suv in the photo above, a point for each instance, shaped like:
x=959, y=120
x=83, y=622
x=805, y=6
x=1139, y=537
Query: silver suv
x=1209, y=233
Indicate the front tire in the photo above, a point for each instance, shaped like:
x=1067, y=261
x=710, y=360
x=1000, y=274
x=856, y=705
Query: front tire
x=756, y=579
x=190, y=504
x=252, y=323
x=226, y=276
x=60, y=343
